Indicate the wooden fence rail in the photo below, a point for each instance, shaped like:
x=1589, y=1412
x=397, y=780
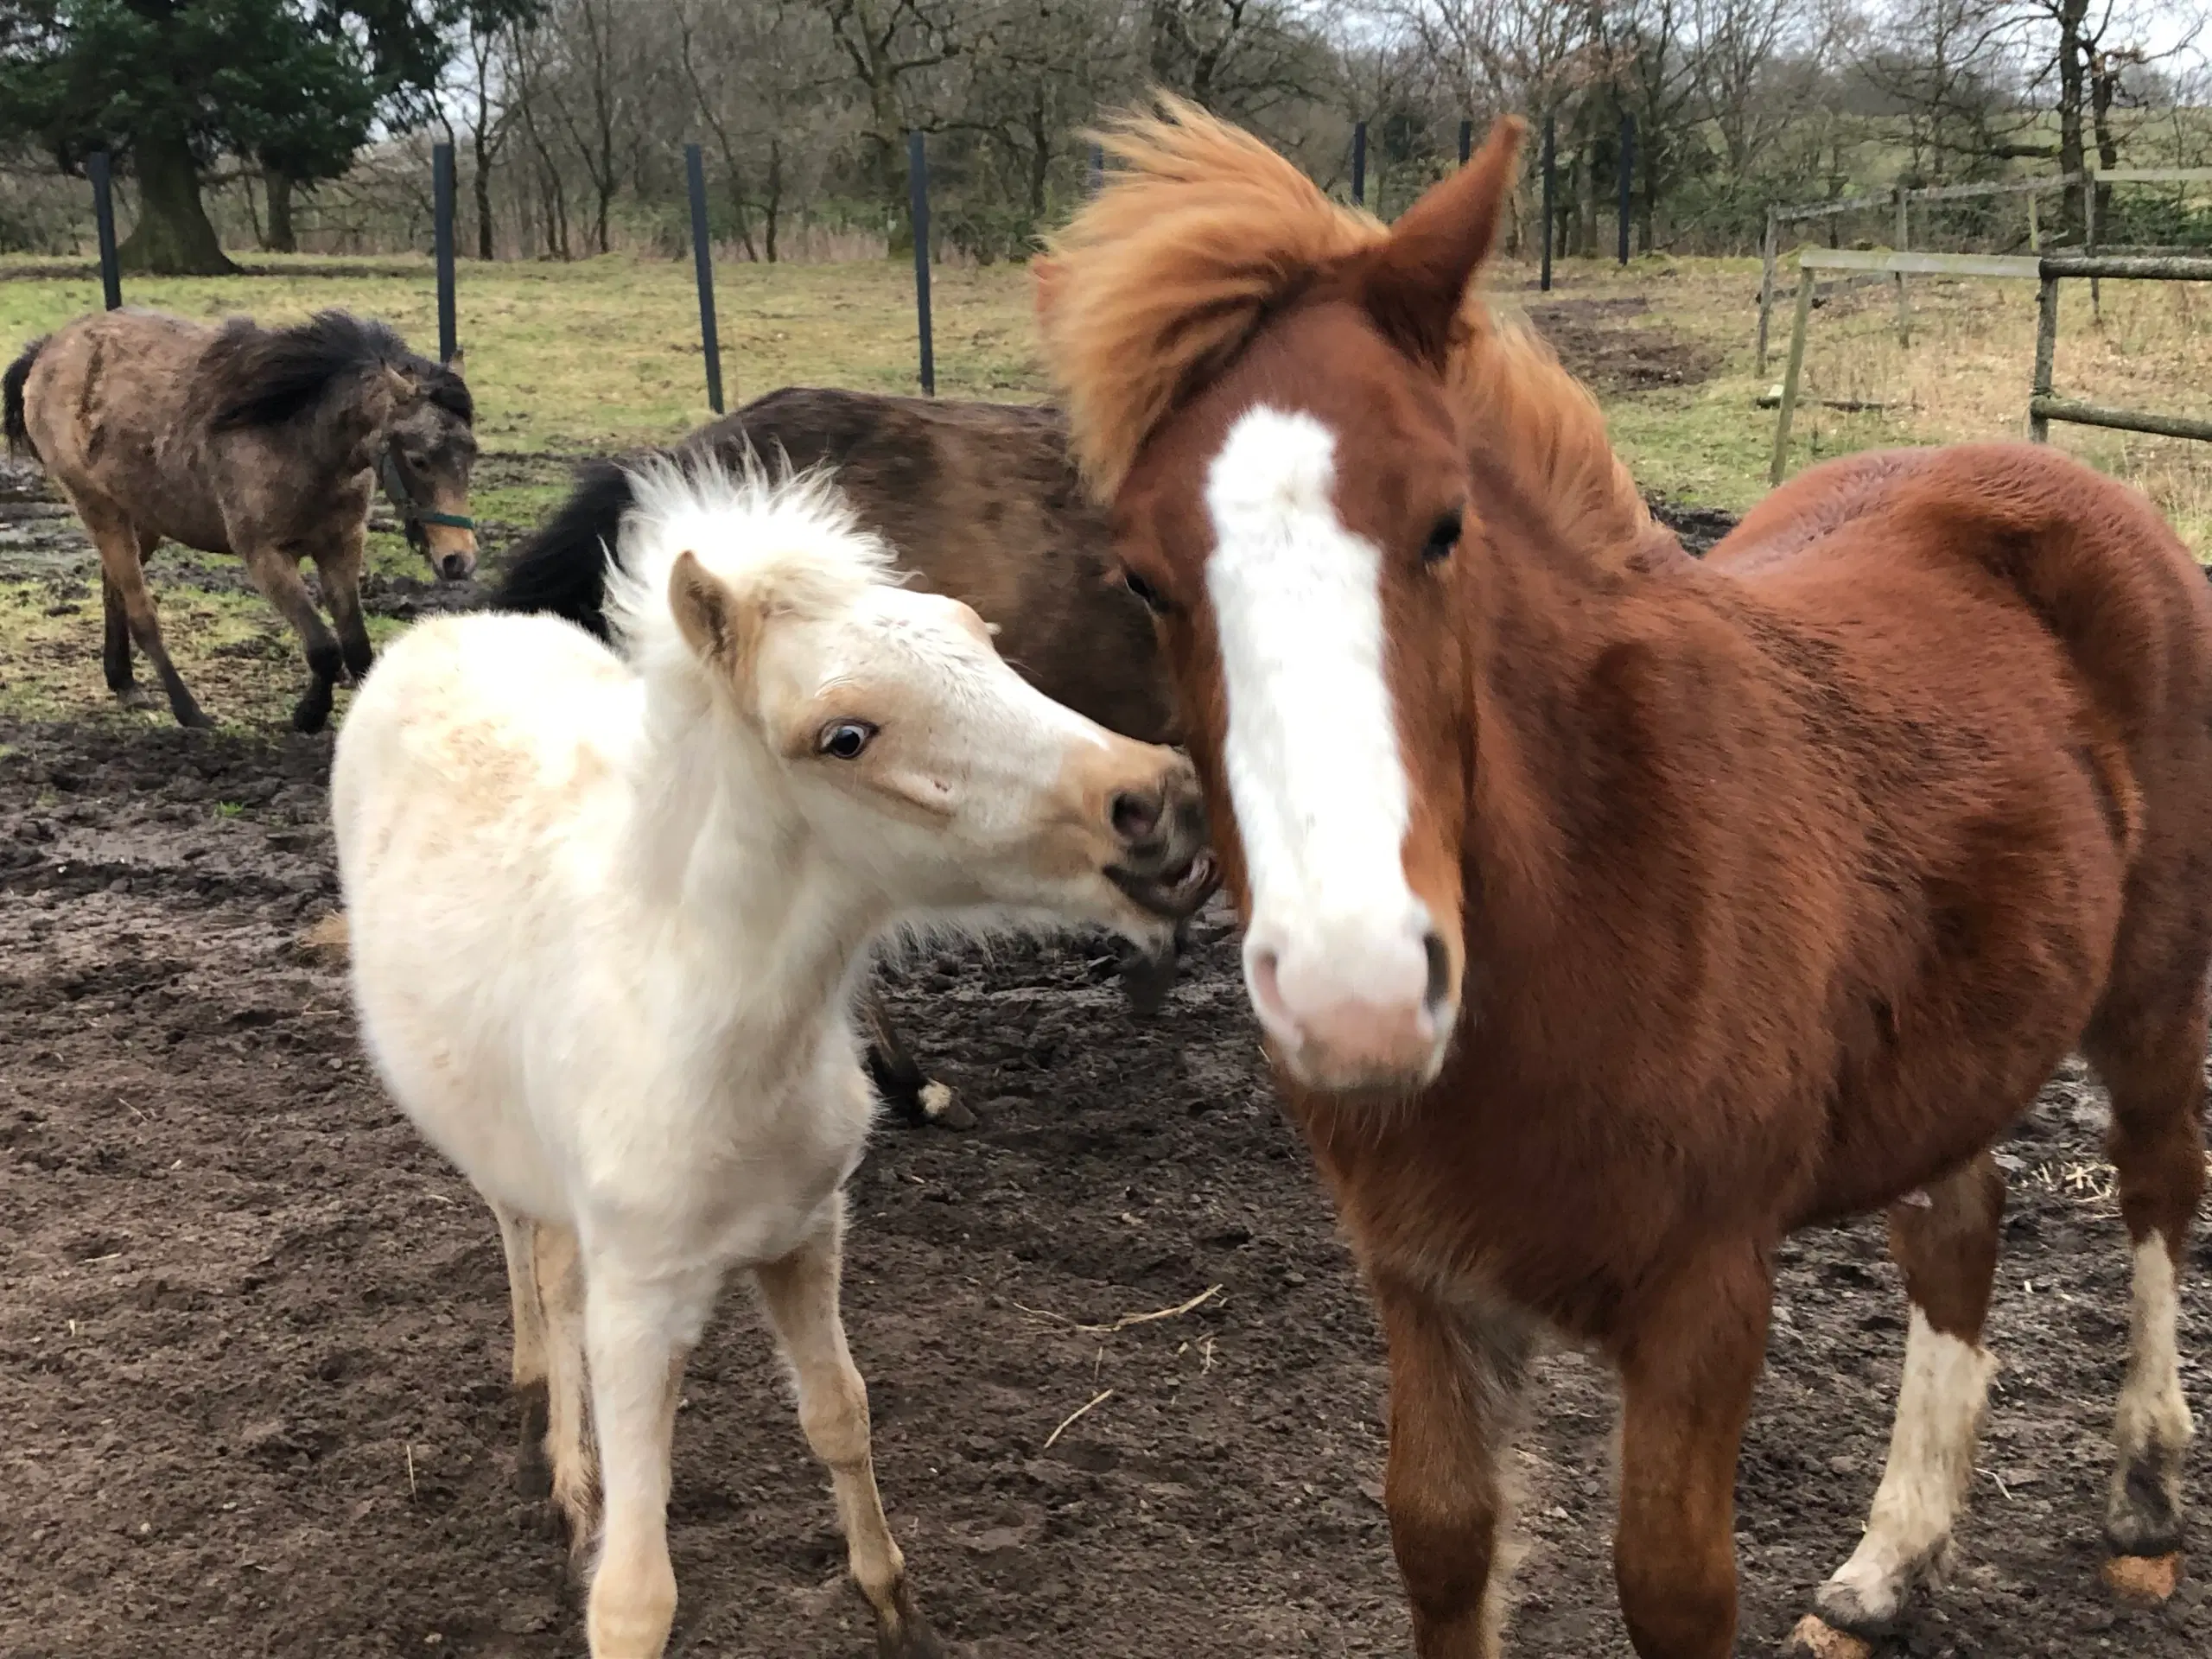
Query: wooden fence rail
x=2043, y=407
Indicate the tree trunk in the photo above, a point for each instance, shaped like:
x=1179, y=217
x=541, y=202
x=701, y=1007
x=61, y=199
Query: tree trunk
x=173, y=237
x=2104, y=83
x=2071, y=14
x=482, y=185
x=281, y=238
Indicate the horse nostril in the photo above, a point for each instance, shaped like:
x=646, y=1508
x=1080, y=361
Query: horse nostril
x=1135, y=816
x=1439, y=971
x=456, y=567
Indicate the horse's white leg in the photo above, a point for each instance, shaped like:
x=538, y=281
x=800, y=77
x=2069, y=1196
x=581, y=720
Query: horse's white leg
x=637, y=1333
x=2150, y=1053
x=518, y=1239
x=559, y=1279
x=1945, y=1241
x=799, y=1295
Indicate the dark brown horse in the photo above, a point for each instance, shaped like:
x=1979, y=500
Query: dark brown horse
x=262, y=442
x=979, y=501
x=1609, y=914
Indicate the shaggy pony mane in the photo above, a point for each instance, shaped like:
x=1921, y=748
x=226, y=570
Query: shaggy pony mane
x=1201, y=235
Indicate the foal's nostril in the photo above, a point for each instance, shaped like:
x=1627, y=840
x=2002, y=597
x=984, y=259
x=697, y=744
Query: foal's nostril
x=1439, y=971
x=1135, y=817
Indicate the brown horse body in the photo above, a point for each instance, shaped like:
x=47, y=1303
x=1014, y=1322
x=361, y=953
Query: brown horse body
x=237, y=439
x=1714, y=900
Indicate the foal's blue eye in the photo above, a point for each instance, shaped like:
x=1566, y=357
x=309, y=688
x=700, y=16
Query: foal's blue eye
x=843, y=739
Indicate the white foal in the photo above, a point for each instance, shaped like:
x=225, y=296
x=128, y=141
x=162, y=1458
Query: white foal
x=607, y=917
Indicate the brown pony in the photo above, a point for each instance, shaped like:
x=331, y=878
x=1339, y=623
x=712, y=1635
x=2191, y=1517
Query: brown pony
x=260, y=441
x=1610, y=914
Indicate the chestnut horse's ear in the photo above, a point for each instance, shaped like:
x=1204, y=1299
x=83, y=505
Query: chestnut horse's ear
x=1047, y=271
x=1413, y=284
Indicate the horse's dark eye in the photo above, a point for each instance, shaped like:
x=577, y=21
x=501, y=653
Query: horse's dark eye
x=1144, y=591
x=1443, y=537
x=843, y=739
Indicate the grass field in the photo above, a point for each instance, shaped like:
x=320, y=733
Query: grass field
x=603, y=354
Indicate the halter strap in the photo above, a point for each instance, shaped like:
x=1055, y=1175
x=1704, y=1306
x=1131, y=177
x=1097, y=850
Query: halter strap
x=413, y=515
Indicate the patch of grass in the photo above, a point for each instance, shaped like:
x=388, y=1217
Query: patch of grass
x=603, y=355
x=230, y=809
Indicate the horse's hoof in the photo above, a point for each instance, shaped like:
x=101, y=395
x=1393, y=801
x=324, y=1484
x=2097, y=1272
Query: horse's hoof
x=1815, y=1638
x=2144, y=1580
x=136, y=697
x=901, y=1632
x=193, y=721
x=942, y=1107
x=308, y=719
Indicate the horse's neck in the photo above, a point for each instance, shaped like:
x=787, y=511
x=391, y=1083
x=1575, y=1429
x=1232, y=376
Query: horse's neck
x=1556, y=628
x=760, y=933
x=1539, y=423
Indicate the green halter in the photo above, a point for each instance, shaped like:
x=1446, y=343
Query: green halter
x=413, y=515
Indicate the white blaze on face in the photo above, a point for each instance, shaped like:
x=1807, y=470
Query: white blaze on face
x=1336, y=956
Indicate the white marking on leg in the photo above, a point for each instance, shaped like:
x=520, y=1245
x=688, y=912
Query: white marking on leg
x=1924, y=1487
x=2152, y=1426
x=1311, y=755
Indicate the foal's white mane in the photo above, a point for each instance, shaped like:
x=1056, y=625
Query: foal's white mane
x=790, y=537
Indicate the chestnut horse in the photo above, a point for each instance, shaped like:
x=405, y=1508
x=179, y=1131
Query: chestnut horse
x=1610, y=914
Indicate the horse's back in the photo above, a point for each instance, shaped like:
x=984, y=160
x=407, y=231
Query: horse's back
x=472, y=796
x=478, y=718
x=110, y=407
x=2082, y=559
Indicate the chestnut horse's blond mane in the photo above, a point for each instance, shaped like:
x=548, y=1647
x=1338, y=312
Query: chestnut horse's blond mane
x=1166, y=275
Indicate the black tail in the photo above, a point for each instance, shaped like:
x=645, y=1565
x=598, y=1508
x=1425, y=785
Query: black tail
x=560, y=566
x=12, y=422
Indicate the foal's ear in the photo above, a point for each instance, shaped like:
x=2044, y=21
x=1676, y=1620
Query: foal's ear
x=1413, y=283
x=716, y=621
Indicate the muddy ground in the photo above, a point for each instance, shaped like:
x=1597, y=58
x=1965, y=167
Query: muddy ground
x=253, y=1335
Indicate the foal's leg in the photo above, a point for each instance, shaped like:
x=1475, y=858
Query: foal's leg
x=339, y=570
x=799, y=1295
x=115, y=651
x=122, y=571
x=276, y=573
x=1945, y=1241
x=559, y=1274
x=518, y=1239
x=1455, y=1382
x=2154, y=1069
x=1688, y=1374
x=637, y=1334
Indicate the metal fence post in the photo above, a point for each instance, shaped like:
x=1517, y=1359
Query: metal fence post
x=1627, y=178
x=97, y=168
x=918, y=207
x=1551, y=192
x=1359, y=164
x=703, y=265
x=441, y=243
x=1466, y=140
